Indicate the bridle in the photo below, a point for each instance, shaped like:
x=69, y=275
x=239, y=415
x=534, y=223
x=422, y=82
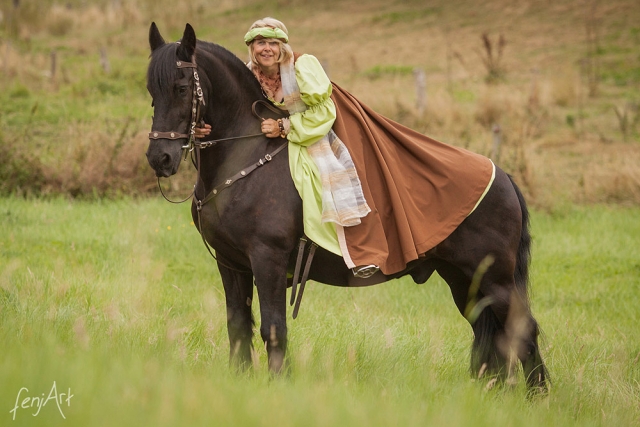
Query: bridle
x=196, y=102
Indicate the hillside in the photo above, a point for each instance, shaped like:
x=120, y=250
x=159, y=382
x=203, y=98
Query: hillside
x=563, y=87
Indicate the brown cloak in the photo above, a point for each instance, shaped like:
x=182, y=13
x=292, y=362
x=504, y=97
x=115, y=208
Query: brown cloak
x=419, y=189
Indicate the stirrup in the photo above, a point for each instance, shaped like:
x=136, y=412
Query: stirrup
x=365, y=271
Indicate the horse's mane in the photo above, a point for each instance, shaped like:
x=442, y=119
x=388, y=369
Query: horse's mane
x=222, y=54
x=163, y=71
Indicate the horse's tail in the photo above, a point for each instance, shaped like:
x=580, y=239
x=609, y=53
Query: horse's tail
x=523, y=256
x=535, y=371
x=519, y=327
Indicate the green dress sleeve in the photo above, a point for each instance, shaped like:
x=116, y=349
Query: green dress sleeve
x=315, y=91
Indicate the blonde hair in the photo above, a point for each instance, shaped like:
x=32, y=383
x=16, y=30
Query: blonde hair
x=286, y=53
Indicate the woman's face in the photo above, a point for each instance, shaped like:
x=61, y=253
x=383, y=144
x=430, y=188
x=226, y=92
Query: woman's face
x=266, y=52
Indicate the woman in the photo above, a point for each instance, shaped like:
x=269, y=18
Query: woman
x=414, y=192
x=298, y=83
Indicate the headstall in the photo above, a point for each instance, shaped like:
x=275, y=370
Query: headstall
x=196, y=102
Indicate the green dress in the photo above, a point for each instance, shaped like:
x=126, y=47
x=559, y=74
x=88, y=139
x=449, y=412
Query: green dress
x=307, y=128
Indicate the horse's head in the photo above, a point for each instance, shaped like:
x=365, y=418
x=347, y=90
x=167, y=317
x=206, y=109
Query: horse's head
x=171, y=82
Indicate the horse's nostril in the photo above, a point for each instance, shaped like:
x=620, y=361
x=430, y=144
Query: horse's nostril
x=166, y=160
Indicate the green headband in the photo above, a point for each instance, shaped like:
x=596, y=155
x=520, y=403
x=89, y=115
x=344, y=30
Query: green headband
x=267, y=33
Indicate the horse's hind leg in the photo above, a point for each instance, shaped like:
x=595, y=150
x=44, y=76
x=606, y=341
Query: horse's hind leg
x=238, y=289
x=503, y=327
x=486, y=266
x=486, y=359
x=518, y=338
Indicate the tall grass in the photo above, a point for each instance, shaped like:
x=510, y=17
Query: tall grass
x=119, y=302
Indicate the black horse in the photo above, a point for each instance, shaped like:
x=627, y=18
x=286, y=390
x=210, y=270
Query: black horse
x=254, y=223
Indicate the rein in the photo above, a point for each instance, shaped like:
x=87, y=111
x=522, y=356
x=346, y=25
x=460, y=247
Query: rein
x=193, y=143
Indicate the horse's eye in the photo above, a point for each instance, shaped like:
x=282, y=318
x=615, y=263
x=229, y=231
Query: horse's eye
x=183, y=90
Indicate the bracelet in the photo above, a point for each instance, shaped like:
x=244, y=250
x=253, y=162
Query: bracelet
x=281, y=126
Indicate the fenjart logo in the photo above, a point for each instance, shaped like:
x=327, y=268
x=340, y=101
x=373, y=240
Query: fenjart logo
x=24, y=401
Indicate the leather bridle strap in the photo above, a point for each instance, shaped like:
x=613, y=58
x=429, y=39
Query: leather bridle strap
x=268, y=106
x=242, y=174
x=185, y=64
x=167, y=135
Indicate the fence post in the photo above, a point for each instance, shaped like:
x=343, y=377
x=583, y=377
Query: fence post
x=104, y=60
x=7, y=47
x=421, y=90
x=497, y=140
x=54, y=60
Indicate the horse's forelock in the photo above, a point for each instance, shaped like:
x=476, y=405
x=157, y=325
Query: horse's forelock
x=162, y=68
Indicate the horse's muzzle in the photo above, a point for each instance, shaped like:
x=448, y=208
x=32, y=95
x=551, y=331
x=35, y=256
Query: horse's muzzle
x=163, y=163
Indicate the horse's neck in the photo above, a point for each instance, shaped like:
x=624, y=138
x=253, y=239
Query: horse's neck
x=229, y=98
x=232, y=92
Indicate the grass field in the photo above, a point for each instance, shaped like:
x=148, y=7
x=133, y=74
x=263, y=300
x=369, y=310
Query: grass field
x=118, y=303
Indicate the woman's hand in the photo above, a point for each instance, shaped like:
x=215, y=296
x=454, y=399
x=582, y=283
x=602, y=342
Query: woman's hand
x=202, y=132
x=270, y=128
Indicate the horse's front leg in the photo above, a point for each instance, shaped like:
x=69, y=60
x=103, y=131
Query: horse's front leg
x=270, y=272
x=238, y=289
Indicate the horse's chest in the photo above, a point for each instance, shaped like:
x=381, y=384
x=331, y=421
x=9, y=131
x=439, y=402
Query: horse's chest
x=225, y=220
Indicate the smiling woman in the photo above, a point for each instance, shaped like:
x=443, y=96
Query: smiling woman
x=343, y=159
x=266, y=53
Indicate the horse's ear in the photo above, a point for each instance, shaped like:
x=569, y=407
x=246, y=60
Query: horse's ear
x=155, y=39
x=188, y=42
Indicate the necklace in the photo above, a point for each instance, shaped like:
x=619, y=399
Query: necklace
x=270, y=85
